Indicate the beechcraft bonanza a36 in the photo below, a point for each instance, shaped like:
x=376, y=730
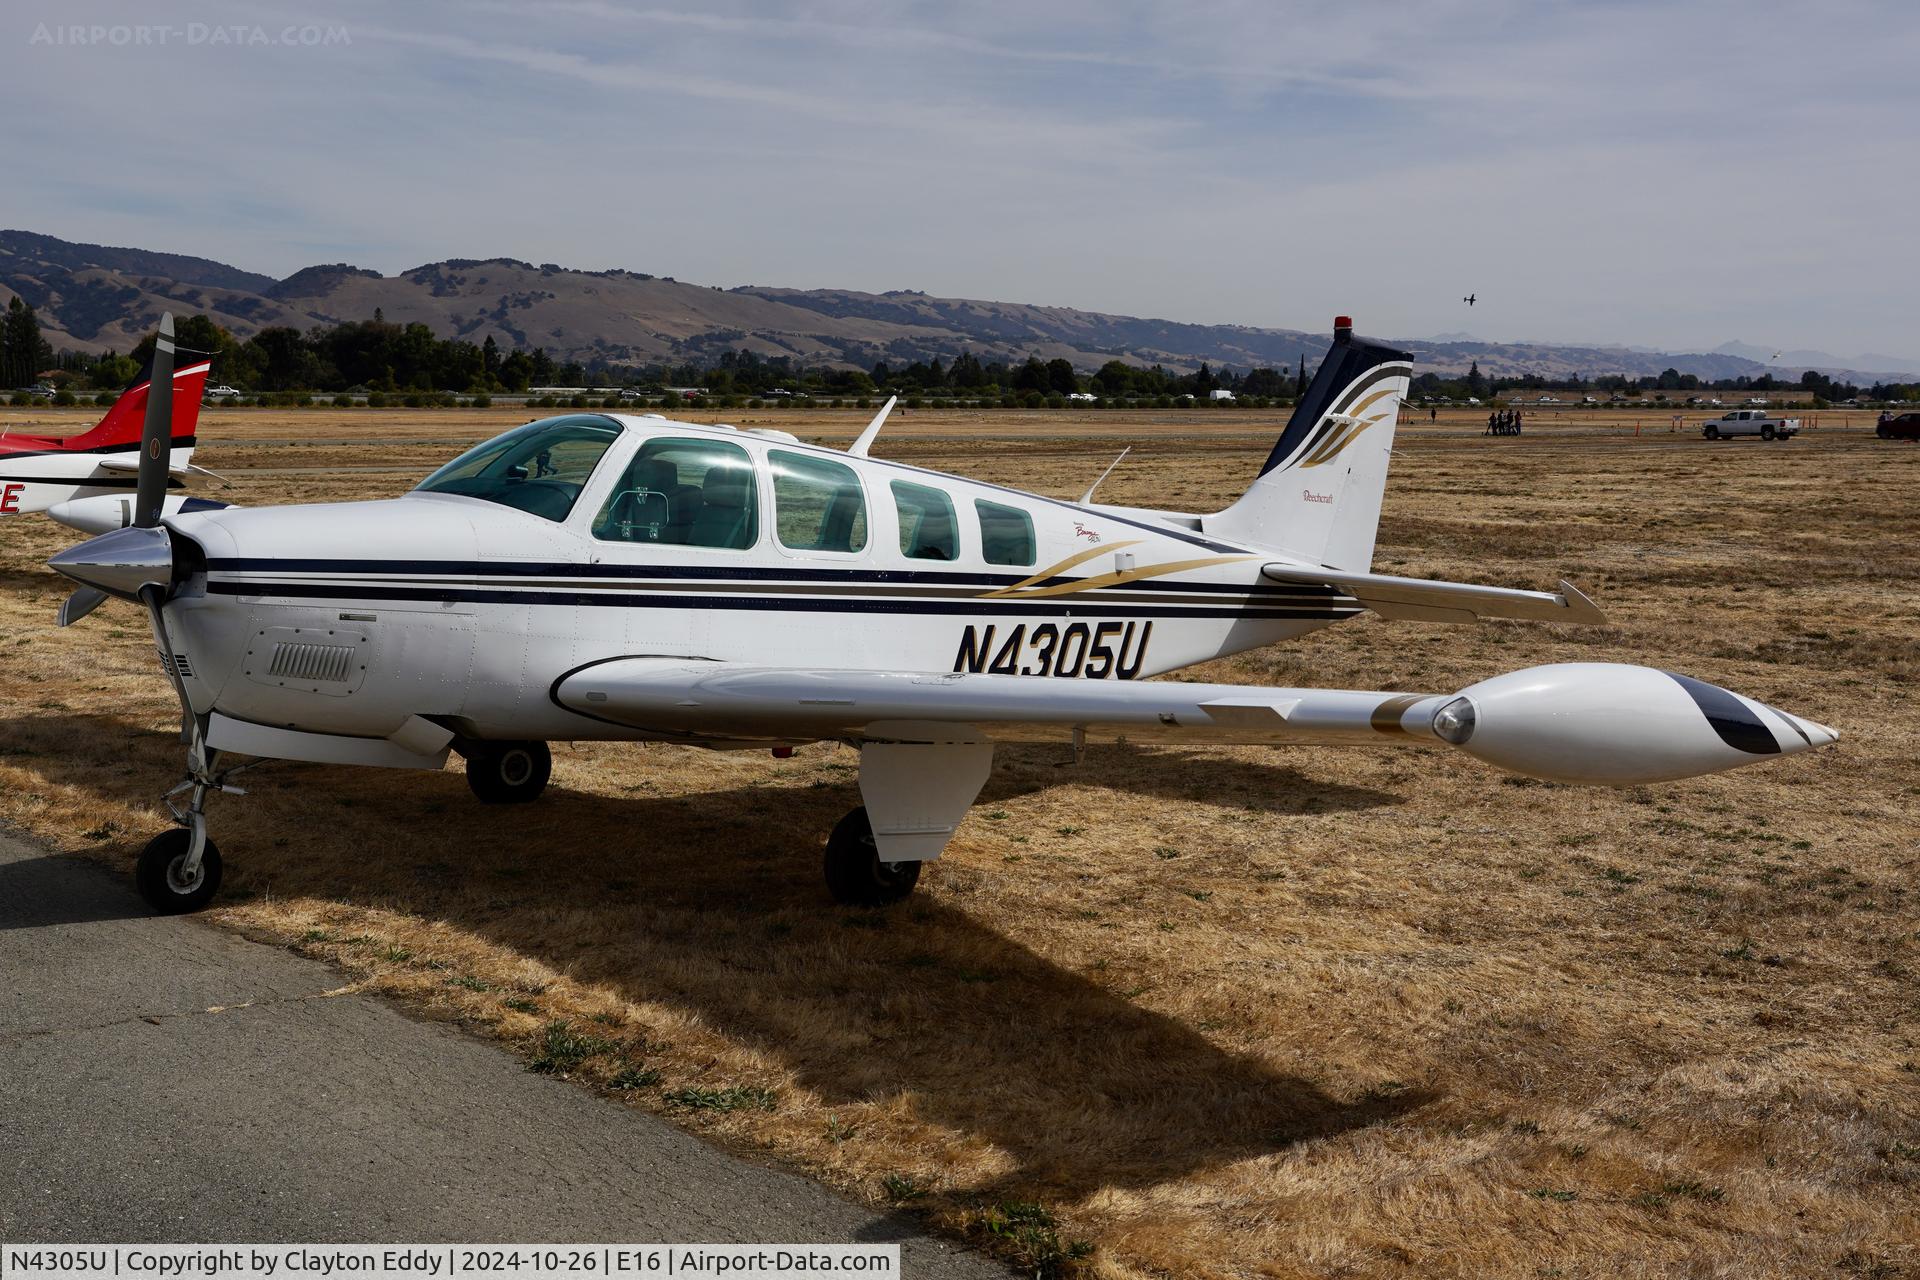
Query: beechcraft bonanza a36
x=43, y=473
x=598, y=576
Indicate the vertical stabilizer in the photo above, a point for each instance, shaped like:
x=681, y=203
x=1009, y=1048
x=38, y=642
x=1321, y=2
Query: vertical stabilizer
x=1317, y=498
x=123, y=423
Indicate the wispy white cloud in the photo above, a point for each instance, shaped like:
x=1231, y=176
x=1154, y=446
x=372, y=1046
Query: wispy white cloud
x=1671, y=173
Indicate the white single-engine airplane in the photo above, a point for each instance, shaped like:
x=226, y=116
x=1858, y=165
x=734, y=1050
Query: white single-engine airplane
x=42, y=473
x=598, y=576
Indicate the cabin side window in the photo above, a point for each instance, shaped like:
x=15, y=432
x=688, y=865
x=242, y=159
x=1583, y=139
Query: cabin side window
x=684, y=492
x=927, y=527
x=1006, y=533
x=817, y=504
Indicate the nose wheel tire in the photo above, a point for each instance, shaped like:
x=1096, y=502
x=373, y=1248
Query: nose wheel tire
x=855, y=874
x=162, y=877
x=508, y=772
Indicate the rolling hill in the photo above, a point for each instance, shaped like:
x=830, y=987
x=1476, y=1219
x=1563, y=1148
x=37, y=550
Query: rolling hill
x=97, y=297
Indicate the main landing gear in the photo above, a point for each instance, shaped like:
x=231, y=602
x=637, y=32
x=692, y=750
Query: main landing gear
x=507, y=772
x=917, y=789
x=856, y=875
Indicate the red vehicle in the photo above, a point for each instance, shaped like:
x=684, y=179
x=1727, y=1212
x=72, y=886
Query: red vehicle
x=1898, y=426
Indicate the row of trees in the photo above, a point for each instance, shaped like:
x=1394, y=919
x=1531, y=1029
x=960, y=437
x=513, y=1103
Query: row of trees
x=1821, y=387
x=380, y=356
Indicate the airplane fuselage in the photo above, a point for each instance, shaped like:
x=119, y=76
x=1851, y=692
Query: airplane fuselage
x=469, y=613
x=36, y=473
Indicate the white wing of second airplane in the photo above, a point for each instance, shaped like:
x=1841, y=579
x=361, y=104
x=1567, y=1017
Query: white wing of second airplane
x=132, y=465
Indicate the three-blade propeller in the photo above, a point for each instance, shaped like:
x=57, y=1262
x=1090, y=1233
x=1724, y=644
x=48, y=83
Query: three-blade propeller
x=150, y=487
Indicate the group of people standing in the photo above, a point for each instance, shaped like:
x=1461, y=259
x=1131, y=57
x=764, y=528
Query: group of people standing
x=1504, y=422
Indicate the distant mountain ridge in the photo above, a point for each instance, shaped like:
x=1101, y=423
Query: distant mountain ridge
x=98, y=297
x=1804, y=358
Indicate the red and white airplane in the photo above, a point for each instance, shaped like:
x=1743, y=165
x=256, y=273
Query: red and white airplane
x=45, y=473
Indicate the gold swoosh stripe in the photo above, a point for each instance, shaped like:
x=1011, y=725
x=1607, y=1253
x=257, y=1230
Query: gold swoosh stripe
x=1078, y=557
x=1367, y=402
x=1114, y=579
x=1334, y=448
x=1331, y=447
x=1386, y=716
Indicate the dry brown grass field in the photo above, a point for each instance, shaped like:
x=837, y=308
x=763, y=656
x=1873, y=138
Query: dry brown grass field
x=1226, y=1012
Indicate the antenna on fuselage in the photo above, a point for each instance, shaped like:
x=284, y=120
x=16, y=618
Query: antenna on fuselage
x=860, y=446
x=1087, y=497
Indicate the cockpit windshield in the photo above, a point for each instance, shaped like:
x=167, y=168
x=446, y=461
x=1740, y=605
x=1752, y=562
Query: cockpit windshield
x=539, y=468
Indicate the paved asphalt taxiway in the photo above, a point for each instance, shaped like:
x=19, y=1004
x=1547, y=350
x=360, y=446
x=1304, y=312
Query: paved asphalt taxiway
x=161, y=1080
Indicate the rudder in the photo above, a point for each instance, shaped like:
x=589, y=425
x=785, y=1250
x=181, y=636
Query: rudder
x=121, y=426
x=1318, y=495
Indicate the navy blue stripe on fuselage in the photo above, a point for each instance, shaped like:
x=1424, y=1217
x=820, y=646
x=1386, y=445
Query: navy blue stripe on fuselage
x=1053, y=606
x=426, y=570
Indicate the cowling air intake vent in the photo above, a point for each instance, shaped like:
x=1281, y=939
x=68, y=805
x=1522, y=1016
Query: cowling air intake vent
x=298, y=661
x=176, y=664
x=326, y=660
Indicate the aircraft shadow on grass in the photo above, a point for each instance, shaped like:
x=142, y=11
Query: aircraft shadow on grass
x=711, y=903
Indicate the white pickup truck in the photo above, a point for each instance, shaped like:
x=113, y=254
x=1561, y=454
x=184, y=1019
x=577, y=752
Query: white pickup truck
x=1749, y=422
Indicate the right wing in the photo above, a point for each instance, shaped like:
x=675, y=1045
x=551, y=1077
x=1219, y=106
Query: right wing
x=1591, y=722
x=730, y=701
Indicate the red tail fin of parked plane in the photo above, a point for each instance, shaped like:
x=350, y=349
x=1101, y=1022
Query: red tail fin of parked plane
x=121, y=426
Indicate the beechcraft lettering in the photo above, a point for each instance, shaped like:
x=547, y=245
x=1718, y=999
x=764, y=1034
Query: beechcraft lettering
x=602, y=576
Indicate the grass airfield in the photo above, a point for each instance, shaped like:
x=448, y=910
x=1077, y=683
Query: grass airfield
x=1222, y=1012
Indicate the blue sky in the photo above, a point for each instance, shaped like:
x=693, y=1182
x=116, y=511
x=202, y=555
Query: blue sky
x=1672, y=174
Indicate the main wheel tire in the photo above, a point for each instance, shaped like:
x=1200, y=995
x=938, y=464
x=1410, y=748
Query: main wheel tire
x=158, y=874
x=509, y=772
x=1711, y=433
x=855, y=874
x=1767, y=433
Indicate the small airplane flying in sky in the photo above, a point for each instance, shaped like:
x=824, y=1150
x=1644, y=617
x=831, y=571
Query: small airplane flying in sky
x=601, y=576
x=1471, y=298
x=39, y=473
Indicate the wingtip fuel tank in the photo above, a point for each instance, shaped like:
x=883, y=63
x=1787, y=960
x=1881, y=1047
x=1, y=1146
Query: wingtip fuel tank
x=1613, y=724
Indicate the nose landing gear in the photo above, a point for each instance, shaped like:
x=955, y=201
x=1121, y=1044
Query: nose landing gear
x=179, y=870
x=173, y=877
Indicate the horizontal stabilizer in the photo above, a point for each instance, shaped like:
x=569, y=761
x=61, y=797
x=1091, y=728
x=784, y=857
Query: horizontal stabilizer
x=1429, y=600
x=131, y=466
